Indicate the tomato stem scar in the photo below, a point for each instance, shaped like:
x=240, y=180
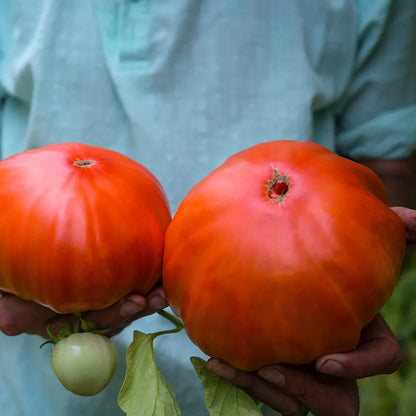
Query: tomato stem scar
x=278, y=187
x=84, y=163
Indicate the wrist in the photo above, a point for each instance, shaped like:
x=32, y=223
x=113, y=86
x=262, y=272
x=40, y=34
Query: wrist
x=399, y=178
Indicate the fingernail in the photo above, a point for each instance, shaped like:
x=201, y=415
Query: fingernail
x=131, y=306
x=221, y=368
x=273, y=375
x=331, y=367
x=157, y=302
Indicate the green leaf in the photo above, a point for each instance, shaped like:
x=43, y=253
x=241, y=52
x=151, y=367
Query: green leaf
x=407, y=397
x=144, y=391
x=223, y=398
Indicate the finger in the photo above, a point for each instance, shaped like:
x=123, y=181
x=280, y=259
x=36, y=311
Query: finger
x=325, y=395
x=377, y=353
x=255, y=385
x=156, y=301
x=117, y=314
x=18, y=315
x=128, y=309
x=408, y=216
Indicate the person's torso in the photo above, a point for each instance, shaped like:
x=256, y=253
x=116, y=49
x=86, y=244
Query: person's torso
x=179, y=86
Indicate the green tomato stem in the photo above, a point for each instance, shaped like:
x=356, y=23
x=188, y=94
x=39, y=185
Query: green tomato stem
x=174, y=320
x=47, y=342
x=82, y=325
x=53, y=338
x=77, y=323
x=62, y=333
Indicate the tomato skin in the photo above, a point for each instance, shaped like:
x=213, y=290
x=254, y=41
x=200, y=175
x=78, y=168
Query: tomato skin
x=84, y=362
x=263, y=272
x=81, y=226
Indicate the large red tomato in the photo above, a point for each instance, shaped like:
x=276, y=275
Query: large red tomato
x=81, y=226
x=282, y=254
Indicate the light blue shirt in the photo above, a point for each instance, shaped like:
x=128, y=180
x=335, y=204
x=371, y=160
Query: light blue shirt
x=180, y=85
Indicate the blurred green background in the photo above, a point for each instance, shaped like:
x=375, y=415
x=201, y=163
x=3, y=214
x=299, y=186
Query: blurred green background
x=395, y=394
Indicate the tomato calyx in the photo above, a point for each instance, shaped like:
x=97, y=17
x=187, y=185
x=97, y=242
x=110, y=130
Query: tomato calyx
x=79, y=324
x=278, y=187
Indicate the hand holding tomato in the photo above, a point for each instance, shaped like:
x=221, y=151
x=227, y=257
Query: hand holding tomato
x=82, y=229
x=329, y=388
x=284, y=235
x=19, y=316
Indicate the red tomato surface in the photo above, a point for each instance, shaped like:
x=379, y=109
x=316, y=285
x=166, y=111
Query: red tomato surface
x=81, y=226
x=282, y=254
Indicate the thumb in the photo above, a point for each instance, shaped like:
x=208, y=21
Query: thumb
x=408, y=216
x=377, y=353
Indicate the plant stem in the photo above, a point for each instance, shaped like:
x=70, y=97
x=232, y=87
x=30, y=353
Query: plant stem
x=77, y=323
x=174, y=320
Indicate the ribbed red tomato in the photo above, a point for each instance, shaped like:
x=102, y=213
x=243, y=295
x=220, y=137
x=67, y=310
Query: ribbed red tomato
x=81, y=226
x=282, y=254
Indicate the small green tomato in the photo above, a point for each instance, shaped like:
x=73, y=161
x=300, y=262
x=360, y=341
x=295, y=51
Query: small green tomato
x=84, y=362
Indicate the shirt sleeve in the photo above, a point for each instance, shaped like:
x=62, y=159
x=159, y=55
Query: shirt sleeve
x=376, y=117
x=2, y=102
x=3, y=34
